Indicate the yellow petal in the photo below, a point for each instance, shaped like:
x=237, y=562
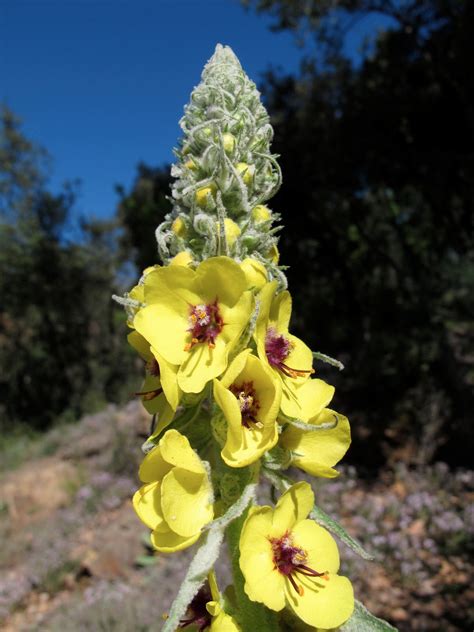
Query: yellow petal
x=263, y=583
x=223, y=622
x=249, y=446
x=177, y=280
x=164, y=416
x=185, y=501
x=182, y=259
x=227, y=402
x=169, y=541
x=211, y=578
x=320, y=546
x=140, y=344
x=168, y=373
x=255, y=273
x=299, y=358
x=323, y=604
x=265, y=299
x=165, y=328
x=176, y=450
x=313, y=396
x=316, y=452
x=294, y=505
x=236, y=317
x=147, y=504
x=221, y=278
x=280, y=311
x=235, y=368
x=202, y=364
x=153, y=467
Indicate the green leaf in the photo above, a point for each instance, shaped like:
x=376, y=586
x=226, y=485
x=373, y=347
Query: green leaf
x=363, y=621
x=321, y=517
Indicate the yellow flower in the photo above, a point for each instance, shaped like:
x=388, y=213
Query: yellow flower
x=249, y=397
x=289, y=358
x=176, y=500
x=255, y=273
x=194, y=318
x=206, y=612
x=290, y=561
x=160, y=392
x=317, y=451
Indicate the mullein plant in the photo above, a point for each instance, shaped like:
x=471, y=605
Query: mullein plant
x=233, y=394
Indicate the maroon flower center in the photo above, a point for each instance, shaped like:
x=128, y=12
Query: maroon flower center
x=205, y=324
x=277, y=349
x=248, y=403
x=153, y=367
x=290, y=560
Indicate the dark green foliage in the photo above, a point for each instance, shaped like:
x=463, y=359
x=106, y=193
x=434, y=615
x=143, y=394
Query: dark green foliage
x=140, y=211
x=62, y=340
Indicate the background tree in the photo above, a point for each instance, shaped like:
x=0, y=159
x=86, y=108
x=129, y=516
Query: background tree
x=60, y=348
x=140, y=211
x=380, y=241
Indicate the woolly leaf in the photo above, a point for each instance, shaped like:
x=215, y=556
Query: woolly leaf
x=321, y=517
x=363, y=621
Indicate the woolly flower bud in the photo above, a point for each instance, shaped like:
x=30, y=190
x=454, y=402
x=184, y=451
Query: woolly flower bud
x=261, y=213
x=232, y=231
x=229, y=143
x=202, y=195
x=246, y=171
x=179, y=227
x=273, y=254
x=225, y=172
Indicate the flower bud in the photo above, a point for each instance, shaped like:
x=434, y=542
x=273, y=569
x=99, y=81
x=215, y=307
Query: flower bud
x=246, y=171
x=229, y=142
x=190, y=164
x=255, y=272
x=232, y=231
x=202, y=193
x=273, y=254
x=261, y=213
x=179, y=227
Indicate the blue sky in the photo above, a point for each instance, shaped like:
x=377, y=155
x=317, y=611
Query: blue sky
x=102, y=83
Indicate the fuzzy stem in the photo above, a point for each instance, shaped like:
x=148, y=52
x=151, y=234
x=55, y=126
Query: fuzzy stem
x=252, y=616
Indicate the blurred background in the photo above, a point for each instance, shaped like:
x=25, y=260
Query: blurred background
x=372, y=102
